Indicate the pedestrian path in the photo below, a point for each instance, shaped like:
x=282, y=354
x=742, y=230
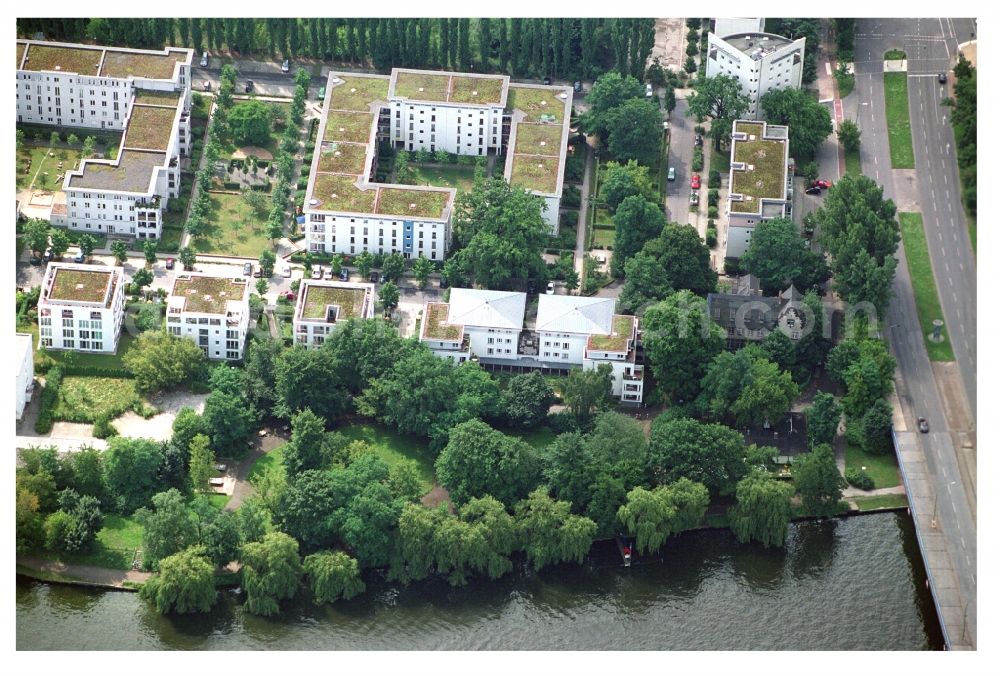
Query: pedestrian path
x=93, y=575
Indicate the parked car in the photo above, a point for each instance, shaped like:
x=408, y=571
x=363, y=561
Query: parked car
x=345, y=274
x=317, y=272
x=79, y=258
x=671, y=174
x=258, y=271
x=247, y=269
x=204, y=60
x=698, y=140
x=694, y=197
x=207, y=86
x=373, y=277
x=695, y=181
x=942, y=77
x=47, y=256
x=820, y=183
x=547, y=81
x=169, y=265
x=550, y=288
x=578, y=87
x=329, y=274
x=289, y=295
x=381, y=279
x=922, y=425
x=813, y=190
x=284, y=66
x=286, y=271
x=221, y=467
x=248, y=87
x=649, y=91
x=35, y=260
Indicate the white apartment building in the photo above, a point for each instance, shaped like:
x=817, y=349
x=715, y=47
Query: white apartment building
x=321, y=305
x=81, y=307
x=760, y=181
x=568, y=331
x=25, y=354
x=145, y=93
x=724, y=27
x=212, y=311
x=762, y=62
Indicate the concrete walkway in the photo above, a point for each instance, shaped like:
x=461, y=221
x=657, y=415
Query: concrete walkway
x=581, y=226
x=858, y=493
x=92, y=575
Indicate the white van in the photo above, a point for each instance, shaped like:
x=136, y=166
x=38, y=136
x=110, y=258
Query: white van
x=204, y=60
x=284, y=66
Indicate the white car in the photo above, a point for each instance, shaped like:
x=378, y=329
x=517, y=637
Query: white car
x=649, y=91
x=317, y=272
x=550, y=288
x=286, y=271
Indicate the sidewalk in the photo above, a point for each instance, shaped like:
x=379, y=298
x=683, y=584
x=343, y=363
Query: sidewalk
x=89, y=575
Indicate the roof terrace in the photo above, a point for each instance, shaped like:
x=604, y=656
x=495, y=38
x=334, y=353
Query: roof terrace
x=334, y=302
x=617, y=341
x=436, y=326
x=763, y=160
x=130, y=172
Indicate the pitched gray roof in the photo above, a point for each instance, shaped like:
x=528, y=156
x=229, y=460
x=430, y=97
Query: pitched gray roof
x=493, y=309
x=575, y=314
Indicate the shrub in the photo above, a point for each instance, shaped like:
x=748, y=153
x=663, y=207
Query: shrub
x=713, y=197
x=859, y=479
x=692, y=48
x=561, y=422
x=714, y=179
x=302, y=183
x=103, y=429
x=731, y=266
x=304, y=170
x=569, y=218
x=711, y=237
x=698, y=161
x=49, y=400
x=713, y=212
x=571, y=196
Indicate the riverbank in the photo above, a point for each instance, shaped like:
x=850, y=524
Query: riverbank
x=51, y=570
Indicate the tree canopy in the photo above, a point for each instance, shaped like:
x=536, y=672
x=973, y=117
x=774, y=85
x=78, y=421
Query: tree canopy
x=479, y=460
x=549, y=533
x=272, y=572
x=332, y=576
x=808, y=121
x=185, y=583
x=746, y=387
x=160, y=360
x=622, y=180
x=168, y=527
x=818, y=481
x=654, y=515
x=250, y=123
x=779, y=256
x=709, y=454
x=722, y=99
x=680, y=341
x=763, y=509
x=637, y=221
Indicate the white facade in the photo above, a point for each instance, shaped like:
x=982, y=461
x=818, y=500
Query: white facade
x=353, y=233
x=762, y=62
x=456, y=129
x=569, y=331
x=214, y=312
x=81, y=307
x=127, y=195
x=726, y=27
x=321, y=305
x=25, y=355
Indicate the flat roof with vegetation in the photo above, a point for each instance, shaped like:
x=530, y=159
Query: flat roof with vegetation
x=338, y=181
x=436, y=326
x=621, y=332
x=122, y=64
x=349, y=300
x=537, y=103
x=149, y=127
x=101, y=61
x=86, y=286
x=208, y=295
x=443, y=87
x=539, y=137
x=764, y=174
x=78, y=60
x=153, y=97
x=131, y=172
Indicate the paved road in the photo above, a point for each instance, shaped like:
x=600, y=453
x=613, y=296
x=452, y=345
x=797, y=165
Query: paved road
x=681, y=150
x=581, y=226
x=919, y=393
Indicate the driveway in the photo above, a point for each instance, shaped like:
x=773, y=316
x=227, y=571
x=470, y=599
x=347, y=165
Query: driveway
x=679, y=157
x=160, y=426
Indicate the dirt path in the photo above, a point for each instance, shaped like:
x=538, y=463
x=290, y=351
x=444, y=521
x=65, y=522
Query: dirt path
x=261, y=445
x=104, y=577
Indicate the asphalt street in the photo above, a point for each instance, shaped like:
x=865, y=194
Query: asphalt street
x=919, y=394
x=679, y=157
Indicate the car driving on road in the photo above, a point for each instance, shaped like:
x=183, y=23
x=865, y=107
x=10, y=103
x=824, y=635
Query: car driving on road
x=813, y=190
x=922, y=425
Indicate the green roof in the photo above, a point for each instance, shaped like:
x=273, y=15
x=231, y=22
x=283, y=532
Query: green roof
x=447, y=87
x=436, y=324
x=535, y=102
x=538, y=139
x=421, y=86
x=121, y=64
x=89, y=286
x=342, y=158
x=157, y=98
x=750, y=128
x=66, y=59
x=208, y=295
x=20, y=53
x=764, y=175
x=131, y=172
x=348, y=126
x=476, y=89
x=358, y=93
x=149, y=127
x=415, y=203
x=350, y=301
x=621, y=332
x=336, y=192
x=535, y=173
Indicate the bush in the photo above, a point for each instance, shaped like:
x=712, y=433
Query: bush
x=692, y=48
x=571, y=196
x=49, y=399
x=713, y=197
x=304, y=170
x=713, y=212
x=103, y=429
x=698, y=161
x=714, y=179
x=95, y=371
x=562, y=422
x=731, y=266
x=302, y=183
x=569, y=218
x=711, y=237
x=859, y=479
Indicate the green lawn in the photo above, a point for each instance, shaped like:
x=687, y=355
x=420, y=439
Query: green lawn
x=85, y=399
x=845, y=84
x=217, y=500
x=895, y=55
x=718, y=160
x=924, y=287
x=972, y=232
x=603, y=216
x=232, y=228
x=44, y=169
x=444, y=177
x=603, y=238
x=393, y=448
x=897, y=115
x=265, y=462
x=881, y=468
x=114, y=547
x=881, y=502
x=538, y=438
x=852, y=161
x=107, y=361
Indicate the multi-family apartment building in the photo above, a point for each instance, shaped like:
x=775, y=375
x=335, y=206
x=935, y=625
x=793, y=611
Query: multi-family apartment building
x=321, y=305
x=724, y=26
x=347, y=212
x=213, y=311
x=567, y=331
x=81, y=307
x=760, y=181
x=24, y=353
x=144, y=93
x=762, y=62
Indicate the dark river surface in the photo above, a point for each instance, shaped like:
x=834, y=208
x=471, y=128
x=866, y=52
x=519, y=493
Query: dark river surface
x=848, y=584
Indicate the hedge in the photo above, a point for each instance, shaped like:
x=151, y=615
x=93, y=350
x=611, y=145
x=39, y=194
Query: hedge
x=94, y=371
x=49, y=399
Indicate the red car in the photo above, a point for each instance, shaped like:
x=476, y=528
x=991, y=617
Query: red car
x=820, y=183
x=695, y=181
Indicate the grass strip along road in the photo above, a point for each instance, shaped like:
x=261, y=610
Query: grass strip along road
x=924, y=287
x=897, y=117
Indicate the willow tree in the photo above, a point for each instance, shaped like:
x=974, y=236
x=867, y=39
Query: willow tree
x=763, y=509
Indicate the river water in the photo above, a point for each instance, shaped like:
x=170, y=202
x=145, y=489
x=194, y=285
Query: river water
x=848, y=584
